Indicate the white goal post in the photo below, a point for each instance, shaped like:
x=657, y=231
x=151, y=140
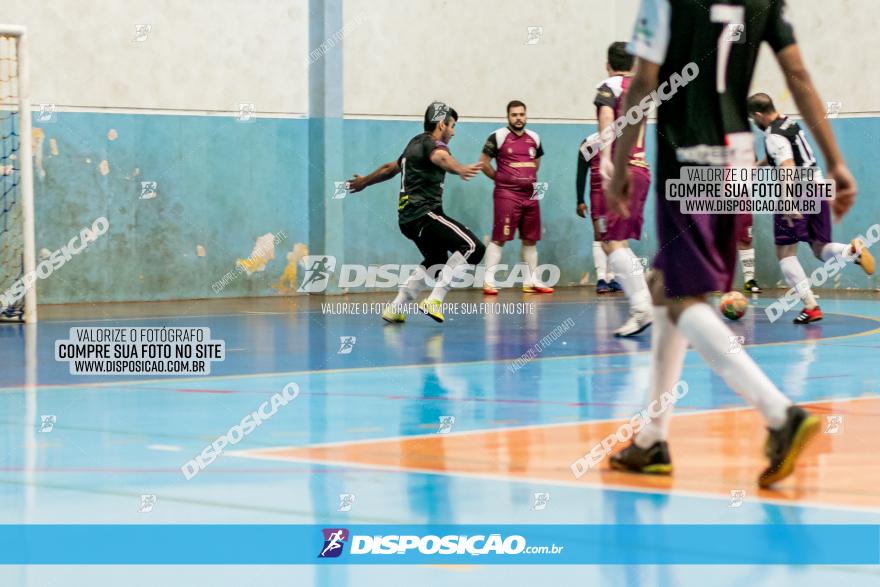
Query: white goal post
x=18, y=288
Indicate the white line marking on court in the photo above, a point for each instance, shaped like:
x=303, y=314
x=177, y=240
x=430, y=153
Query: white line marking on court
x=165, y=447
x=248, y=454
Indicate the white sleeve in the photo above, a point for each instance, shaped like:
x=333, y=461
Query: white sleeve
x=778, y=148
x=651, y=35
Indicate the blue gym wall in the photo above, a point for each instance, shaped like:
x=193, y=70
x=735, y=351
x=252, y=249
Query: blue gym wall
x=223, y=183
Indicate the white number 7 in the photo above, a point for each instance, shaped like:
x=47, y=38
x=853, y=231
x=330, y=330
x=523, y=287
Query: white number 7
x=733, y=17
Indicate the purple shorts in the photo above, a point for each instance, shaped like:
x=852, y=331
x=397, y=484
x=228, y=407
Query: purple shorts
x=696, y=252
x=516, y=211
x=812, y=228
x=618, y=228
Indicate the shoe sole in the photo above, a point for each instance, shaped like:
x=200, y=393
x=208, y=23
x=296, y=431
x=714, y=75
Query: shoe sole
x=805, y=432
x=392, y=320
x=430, y=315
x=810, y=321
x=639, y=331
x=648, y=470
x=490, y=293
x=534, y=291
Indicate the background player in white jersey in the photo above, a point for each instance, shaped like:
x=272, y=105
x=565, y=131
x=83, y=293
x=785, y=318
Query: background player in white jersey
x=704, y=122
x=786, y=146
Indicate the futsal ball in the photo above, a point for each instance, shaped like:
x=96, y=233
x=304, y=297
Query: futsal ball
x=733, y=305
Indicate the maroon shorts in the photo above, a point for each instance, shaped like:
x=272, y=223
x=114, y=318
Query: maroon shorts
x=744, y=228
x=516, y=211
x=617, y=228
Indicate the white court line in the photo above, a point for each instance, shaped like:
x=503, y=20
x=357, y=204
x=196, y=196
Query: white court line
x=246, y=454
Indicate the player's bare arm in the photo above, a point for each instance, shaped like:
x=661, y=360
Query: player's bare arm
x=645, y=79
x=486, y=166
x=447, y=162
x=811, y=108
x=382, y=173
x=606, y=119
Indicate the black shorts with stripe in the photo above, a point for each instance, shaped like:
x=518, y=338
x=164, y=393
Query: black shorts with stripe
x=437, y=236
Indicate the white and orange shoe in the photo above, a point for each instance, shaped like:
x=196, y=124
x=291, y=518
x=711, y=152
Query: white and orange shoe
x=537, y=288
x=863, y=256
x=489, y=290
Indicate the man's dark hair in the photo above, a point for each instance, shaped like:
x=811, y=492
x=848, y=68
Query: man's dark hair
x=618, y=58
x=435, y=114
x=515, y=104
x=761, y=103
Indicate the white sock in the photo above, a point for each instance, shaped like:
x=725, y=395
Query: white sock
x=710, y=337
x=600, y=261
x=834, y=250
x=747, y=260
x=795, y=277
x=623, y=262
x=444, y=278
x=668, y=348
x=493, y=258
x=530, y=256
x=410, y=290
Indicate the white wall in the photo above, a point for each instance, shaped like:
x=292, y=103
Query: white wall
x=839, y=43
x=405, y=53
x=200, y=55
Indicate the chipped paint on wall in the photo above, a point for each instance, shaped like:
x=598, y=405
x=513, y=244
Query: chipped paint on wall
x=38, y=137
x=287, y=282
x=263, y=252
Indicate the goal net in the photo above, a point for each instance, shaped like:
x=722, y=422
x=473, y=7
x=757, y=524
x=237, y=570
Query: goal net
x=17, y=258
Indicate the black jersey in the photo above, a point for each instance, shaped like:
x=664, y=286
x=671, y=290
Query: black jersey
x=704, y=121
x=784, y=140
x=421, y=182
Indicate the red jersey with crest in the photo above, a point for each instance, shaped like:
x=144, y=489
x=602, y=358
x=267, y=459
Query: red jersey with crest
x=610, y=93
x=516, y=168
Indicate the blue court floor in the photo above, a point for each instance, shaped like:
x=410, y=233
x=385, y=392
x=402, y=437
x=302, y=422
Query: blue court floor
x=116, y=439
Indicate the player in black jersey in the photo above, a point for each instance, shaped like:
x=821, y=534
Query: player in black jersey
x=423, y=166
x=786, y=146
x=704, y=54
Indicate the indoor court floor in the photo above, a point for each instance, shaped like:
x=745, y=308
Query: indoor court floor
x=366, y=423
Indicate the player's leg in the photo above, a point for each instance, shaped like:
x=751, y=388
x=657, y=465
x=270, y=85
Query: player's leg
x=530, y=233
x=787, y=233
x=631, y=274
x=819, y=227
x=416, y=282
x=649, y=452
x=450, y=235
x=600, y=263
x=493, y=258
x=504, y=221
x=626, y=266
x=746, y=253
x=605, y=282
x=683, y=287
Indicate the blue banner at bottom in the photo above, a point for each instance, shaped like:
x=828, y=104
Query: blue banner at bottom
x=439, y=544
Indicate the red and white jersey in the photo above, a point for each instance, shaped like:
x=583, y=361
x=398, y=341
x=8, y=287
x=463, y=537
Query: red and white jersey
x=610, y=93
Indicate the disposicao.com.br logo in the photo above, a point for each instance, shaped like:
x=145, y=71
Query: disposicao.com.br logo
x=430, y=544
